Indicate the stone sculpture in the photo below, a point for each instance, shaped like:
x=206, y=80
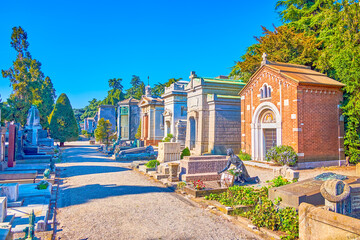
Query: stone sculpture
x=336, y=194
x=240, y=172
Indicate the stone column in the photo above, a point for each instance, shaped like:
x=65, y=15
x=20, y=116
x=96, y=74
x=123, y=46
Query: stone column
x=12, y=145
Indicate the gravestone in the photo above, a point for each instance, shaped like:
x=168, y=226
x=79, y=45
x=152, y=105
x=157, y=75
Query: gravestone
x=168, y=152
x=204, y=168
x=307, y=191
x=10, y=191
x=3, y=208
x=336, y=194
x=227, y=180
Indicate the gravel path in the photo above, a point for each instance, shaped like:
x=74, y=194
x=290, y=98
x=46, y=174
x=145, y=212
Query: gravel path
x=104, y=199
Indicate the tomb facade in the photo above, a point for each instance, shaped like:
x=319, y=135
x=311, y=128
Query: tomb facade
x=288, y=104
x=128, y=119
x=152, y=118
x=107, y=112
x=175, y=104
x=213, y=116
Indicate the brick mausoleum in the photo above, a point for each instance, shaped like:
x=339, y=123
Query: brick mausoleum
x=287, y=104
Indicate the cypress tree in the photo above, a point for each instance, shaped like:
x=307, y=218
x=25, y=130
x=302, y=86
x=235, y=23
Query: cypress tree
x=63, y=124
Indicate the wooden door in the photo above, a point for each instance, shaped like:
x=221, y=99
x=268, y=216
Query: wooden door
x=270, y=138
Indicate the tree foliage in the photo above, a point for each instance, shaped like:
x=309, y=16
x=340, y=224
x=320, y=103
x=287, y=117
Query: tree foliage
x=63, y=125
x=137, y=88
x=159, y=88
x=103, y=132
x=283, y=44
x=325, y=35
x=29, y=84
x=115, y=93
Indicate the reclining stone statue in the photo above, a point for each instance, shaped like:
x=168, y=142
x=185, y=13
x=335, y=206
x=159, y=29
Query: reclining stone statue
x=241, y=174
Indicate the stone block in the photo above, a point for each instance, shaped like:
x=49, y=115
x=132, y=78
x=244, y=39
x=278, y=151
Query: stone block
x=3, y=208
x=292, y=175
x=168, y=152
x=14, y=175
x=10, y=191
x=317, y=224
x=358, y=169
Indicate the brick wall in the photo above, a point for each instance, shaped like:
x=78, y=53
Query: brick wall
x=309, y=115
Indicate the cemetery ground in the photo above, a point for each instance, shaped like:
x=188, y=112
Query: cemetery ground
x=104, y=199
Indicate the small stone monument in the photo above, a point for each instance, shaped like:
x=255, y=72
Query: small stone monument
x=336, y=194
x=32, y=125
x=168, y=152
x=3, y=208
x=173, y=172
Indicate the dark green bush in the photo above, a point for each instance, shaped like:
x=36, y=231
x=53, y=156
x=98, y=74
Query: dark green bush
x=152, y=163
x=185, y=152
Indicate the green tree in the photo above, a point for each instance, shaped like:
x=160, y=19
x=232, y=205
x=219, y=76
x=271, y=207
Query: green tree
x=283, y=44
x=137, y=88
x=63, y=125
x=159, y=88
x=103, y=132
x=115, y=93
x=29, y=85
x=91, y=109
x=138, y=133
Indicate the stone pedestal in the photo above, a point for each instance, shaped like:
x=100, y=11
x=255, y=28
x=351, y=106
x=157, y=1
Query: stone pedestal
x=12, y=145
x=173, y=172
x=10, y=191
x=168, y=152
x=358, y=169
x=3, y=208
x=204, y=168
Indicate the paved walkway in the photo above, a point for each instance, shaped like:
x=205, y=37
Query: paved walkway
x=104, y=199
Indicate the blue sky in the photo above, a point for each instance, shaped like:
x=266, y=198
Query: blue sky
x=81, y=44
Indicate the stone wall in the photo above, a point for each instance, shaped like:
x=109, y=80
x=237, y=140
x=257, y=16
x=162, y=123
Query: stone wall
x=317, y=224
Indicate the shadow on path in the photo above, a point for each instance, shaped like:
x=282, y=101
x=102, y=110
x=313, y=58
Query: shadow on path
x=83, y=194
x=80, y=170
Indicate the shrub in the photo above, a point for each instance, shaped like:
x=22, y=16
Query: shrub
x=267, y=214
x=284, y=155
x=83, y=132
x=138, y=133
x=168, y=138
x=185, y=152
x=181, y=185
x=280, y=181
x=152, y=163
x=239, y=195
x=244, y=156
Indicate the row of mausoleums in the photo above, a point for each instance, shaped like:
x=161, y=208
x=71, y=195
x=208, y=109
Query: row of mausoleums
x=282, y=104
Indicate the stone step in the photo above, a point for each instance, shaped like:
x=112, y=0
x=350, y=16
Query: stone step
x=206, y=157
x=159, y=176
x=14, y=175
x=212, y=176
x=33, y=161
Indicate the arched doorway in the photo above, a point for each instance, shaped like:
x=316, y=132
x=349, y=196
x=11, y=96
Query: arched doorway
x=192, y=132
x=265, y=130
